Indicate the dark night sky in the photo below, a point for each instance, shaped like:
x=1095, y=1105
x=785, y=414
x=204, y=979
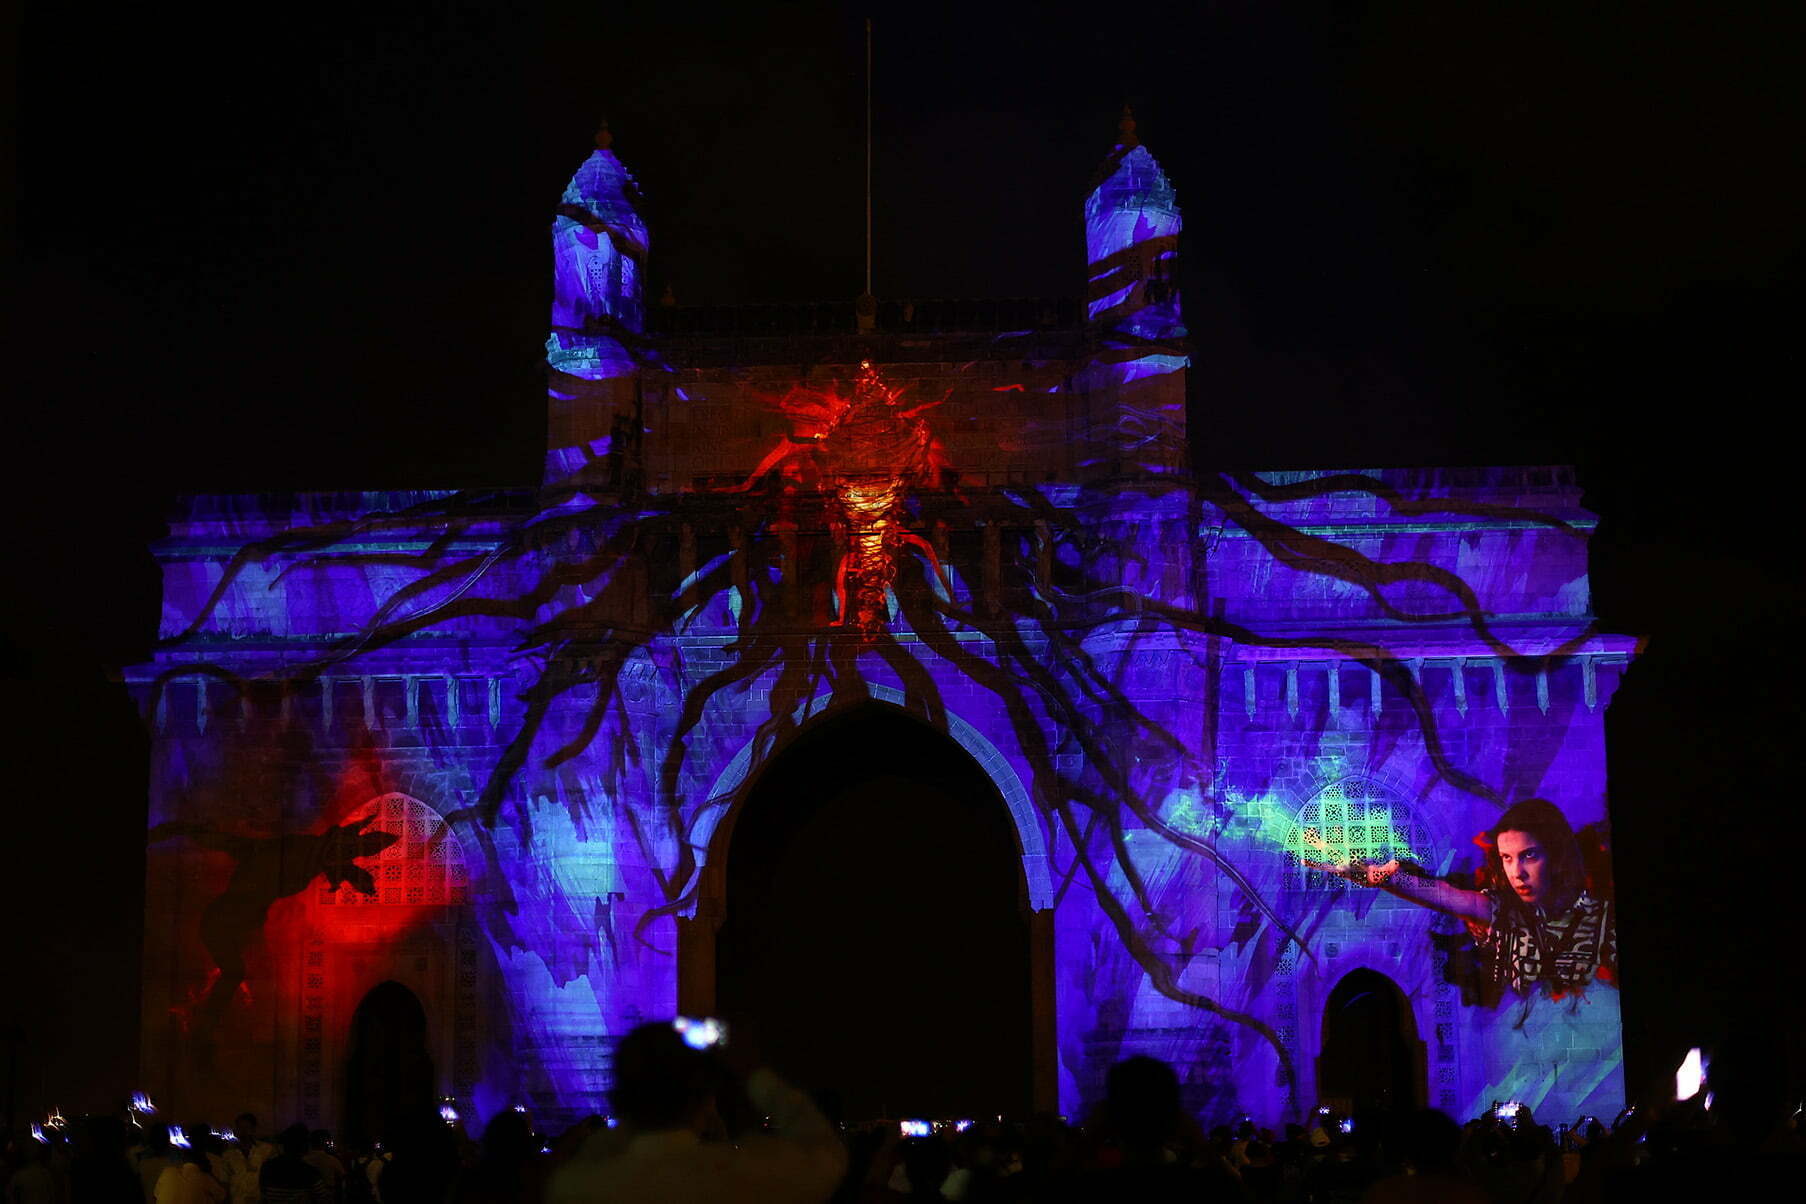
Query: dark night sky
x=306, y=247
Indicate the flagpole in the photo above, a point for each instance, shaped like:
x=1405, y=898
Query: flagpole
x=868, y=156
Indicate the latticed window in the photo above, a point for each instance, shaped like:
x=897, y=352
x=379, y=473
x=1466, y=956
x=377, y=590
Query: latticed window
x=1354, y=820
x=425, y=866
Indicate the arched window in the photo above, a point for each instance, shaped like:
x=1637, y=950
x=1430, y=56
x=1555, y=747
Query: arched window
x=1355, y=819
x=422, y=868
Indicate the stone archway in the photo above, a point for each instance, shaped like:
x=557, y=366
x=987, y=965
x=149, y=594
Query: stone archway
x=389, y=1069
x=1372, y=1056
x=740, y=828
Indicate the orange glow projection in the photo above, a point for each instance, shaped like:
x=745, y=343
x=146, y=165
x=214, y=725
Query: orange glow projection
x=869, y=450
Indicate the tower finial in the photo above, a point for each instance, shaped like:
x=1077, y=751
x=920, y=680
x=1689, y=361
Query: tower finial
x=1126, y=141
x=868, y=157
x=604, y=139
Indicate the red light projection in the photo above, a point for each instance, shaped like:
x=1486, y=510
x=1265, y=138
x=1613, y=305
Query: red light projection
x=869, y=450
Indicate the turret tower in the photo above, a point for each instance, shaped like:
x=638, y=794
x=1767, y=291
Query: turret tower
x=598, y=318
x=1135, y=386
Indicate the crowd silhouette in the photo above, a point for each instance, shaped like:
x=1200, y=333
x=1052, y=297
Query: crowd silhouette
x=694, y=1124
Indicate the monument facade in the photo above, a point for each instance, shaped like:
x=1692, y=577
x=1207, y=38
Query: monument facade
x=445, y=784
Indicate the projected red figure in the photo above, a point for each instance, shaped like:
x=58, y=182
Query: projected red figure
x=870, y=451
x=265, y=870
x=1534, y=919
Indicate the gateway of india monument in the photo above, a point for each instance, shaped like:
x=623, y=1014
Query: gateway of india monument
x=1303, y=772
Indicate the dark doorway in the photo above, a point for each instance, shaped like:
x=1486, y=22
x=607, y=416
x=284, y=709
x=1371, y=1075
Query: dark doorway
x=1372, y=1058
x=389, y=1073
x=874, y=941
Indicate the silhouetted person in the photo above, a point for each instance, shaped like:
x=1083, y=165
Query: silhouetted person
x=1262, y=1176
x=926, y=1164
x=154, y=1158
x=1049, y=1156
x=509, y=1170
x=193, y=1180
x=288, y=1178
x=1428, y=1142
x=1160, y=1159
x=363, y=1177
x=1742, y=1148
x=33, y=1182
x=99, y=1172
x=242, y=1159
x=321, y=1158
x=669, y=1148
x=1342, y=1175
x=422, y=1162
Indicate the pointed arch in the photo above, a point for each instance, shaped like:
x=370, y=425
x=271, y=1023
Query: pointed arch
x=1372, y=1052
x=389, y=1075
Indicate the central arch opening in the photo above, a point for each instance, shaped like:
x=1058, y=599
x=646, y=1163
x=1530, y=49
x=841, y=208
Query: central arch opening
x=874, y=941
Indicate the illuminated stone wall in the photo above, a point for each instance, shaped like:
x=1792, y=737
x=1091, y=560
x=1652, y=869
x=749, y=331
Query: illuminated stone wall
x=480, y=744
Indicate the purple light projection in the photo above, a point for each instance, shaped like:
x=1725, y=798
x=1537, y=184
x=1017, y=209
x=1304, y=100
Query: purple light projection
x=598, y=245
x=1190, y=693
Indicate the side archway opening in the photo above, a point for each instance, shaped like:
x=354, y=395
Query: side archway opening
x=1372, y=1058
x=389, y=1066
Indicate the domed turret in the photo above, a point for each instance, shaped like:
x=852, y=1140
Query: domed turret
x=598, y=313
x=1132, y=226
x=1136, y=379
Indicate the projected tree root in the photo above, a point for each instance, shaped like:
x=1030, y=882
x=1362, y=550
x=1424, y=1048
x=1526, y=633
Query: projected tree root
x=573, y=582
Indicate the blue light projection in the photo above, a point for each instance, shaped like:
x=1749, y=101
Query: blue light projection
x=1132, y=228
x=533, y=709
x=598, y=245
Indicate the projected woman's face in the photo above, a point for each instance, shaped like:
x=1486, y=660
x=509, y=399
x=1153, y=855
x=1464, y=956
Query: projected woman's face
x=1526, y=865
